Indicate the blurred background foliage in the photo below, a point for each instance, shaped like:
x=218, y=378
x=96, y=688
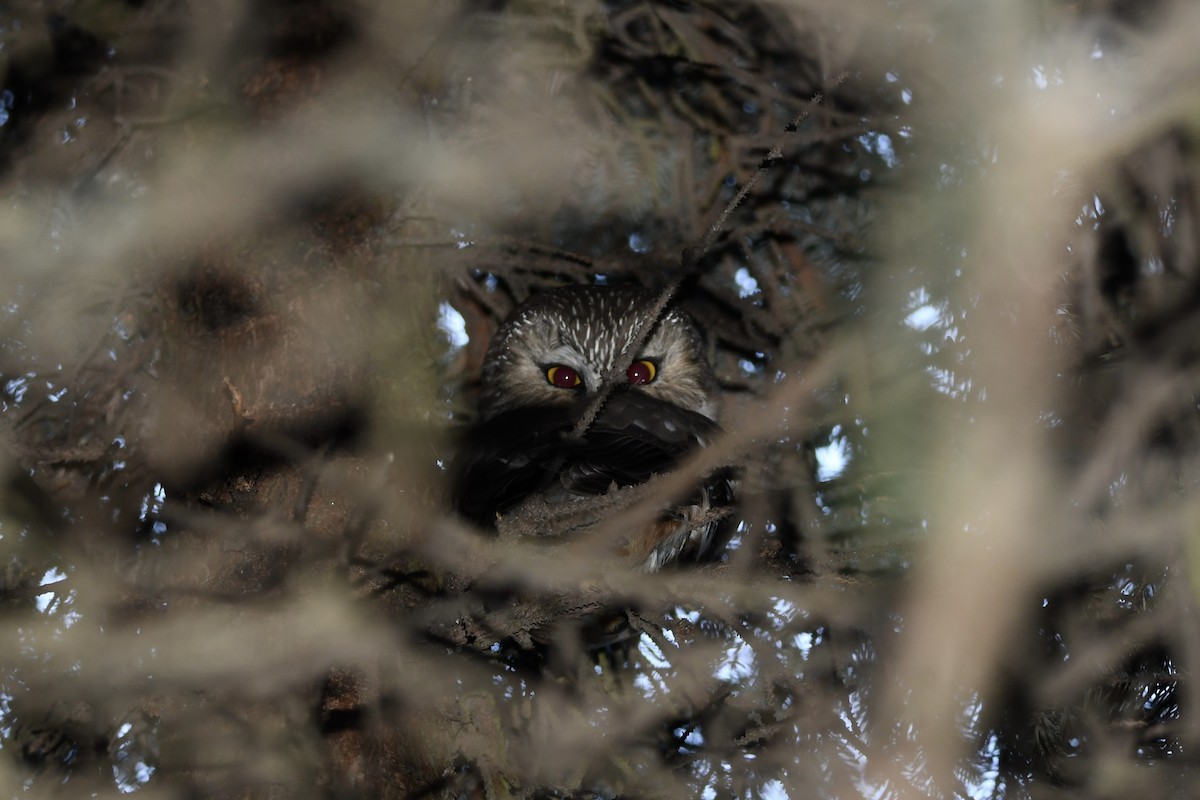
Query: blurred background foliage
x=252, y=252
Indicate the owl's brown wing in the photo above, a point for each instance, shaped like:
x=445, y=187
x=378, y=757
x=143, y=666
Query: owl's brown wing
x=503, y=460
x=527, y=451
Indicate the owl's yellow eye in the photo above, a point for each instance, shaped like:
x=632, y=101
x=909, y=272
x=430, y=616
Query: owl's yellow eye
x=562, y=376
x=641, y=372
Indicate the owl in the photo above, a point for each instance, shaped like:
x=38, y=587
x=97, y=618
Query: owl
x=545, y=366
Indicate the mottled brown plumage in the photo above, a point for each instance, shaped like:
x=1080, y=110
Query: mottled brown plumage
x=545, y=366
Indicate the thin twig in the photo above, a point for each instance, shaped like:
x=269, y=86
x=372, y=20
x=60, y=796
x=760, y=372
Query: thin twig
x=690, y=260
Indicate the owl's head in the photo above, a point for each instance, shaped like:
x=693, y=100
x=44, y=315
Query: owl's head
x=561, y=343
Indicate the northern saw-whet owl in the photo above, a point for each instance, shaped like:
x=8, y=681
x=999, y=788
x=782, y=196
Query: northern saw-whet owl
x=543, y=368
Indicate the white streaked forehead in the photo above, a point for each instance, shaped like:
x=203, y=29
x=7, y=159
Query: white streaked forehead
x=598, y=323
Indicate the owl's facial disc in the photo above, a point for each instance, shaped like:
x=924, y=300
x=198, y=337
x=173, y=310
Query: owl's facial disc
x=567, y=341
